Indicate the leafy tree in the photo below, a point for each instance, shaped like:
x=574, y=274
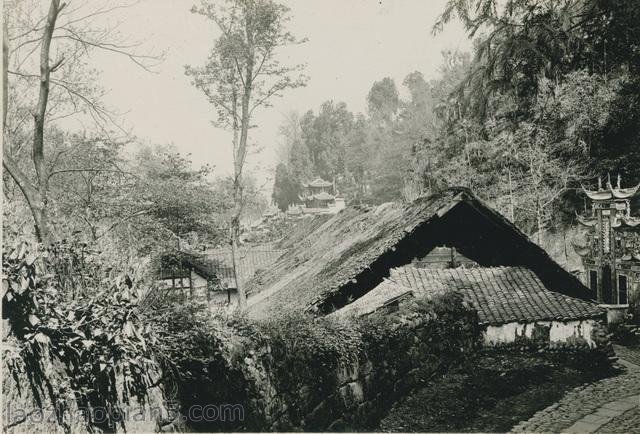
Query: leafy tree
x=242, y=74
x=383, y=100
x=285, y=188
x=527, y=42
x=329, y=130
x=356, y=178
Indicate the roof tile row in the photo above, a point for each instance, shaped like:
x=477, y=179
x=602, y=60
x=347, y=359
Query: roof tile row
x=499, y=294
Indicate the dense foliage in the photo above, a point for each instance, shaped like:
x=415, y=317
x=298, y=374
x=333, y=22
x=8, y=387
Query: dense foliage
x=82, y=343
x=542, y=102
x=548, y=99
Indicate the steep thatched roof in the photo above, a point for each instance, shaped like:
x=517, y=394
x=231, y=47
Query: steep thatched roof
x=500, y=294
x=342, y=258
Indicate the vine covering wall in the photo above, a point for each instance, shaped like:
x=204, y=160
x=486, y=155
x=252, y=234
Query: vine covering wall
x=315, y=374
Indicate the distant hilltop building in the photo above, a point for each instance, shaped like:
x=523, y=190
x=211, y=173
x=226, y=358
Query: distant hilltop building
x=611, y=256
x=271, y=213
x=320, y=197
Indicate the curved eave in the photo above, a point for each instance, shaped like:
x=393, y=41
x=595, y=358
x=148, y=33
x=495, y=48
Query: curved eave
x=581, y=250
x=586, y=221
x=624, y=193
x=597, y=195
x=630, y=222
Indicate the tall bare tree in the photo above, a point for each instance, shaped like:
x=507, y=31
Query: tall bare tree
x=242, y=74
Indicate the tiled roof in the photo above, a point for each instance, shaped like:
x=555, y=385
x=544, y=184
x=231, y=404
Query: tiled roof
x=219, y=263
x=499, y=294
x=323, y=196
x=443, y=257
x=382, y=295
x=319, y=182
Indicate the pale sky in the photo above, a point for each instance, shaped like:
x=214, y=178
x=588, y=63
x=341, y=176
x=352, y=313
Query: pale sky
x=352, y=43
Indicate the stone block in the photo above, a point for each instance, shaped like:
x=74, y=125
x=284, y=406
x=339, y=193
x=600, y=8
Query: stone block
x=348, y=373
x=582, y=427
x=596, y=418
x=620, y=406
x=607, y=412
x=634, y=399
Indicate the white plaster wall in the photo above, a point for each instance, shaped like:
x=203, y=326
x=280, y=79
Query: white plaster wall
x=197, y=280
x=561, y=331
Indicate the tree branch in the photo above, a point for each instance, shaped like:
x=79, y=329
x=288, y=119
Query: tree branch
x=43, y=96
x=122, y=220
x=29, y=191
x=56, y=172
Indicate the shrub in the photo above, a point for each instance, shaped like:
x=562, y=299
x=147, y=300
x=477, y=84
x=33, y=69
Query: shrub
x=79, y=329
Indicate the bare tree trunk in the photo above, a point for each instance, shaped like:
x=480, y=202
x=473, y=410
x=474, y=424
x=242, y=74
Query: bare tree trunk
x=566, y=251
x=34, y=199
x=239, y=159
x=511, y=202
x=5, y=73
x=36, y=195
x=539, y=223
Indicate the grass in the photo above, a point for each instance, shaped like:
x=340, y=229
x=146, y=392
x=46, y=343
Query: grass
x=490, y=393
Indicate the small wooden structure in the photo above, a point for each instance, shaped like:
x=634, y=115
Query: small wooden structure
x=193, y=275
x=444, y=257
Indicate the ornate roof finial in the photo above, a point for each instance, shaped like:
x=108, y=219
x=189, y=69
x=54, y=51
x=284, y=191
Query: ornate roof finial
x=619, y=179
x=599, y=182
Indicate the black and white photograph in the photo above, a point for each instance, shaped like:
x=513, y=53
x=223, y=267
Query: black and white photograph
x=320, y=216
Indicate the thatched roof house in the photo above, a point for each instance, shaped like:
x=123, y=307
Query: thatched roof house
x=338, y=260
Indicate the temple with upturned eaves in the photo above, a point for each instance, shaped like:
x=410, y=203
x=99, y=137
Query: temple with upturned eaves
x=611, y=255
x=320, y=197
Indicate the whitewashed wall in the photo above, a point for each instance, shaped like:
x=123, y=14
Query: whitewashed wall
x=198, y=281
x=561, y=331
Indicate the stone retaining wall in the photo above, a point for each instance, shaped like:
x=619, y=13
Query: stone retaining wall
x=317, y=375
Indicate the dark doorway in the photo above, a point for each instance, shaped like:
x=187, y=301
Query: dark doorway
x=607, y=293
x=622, y=289
x=593, y=283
